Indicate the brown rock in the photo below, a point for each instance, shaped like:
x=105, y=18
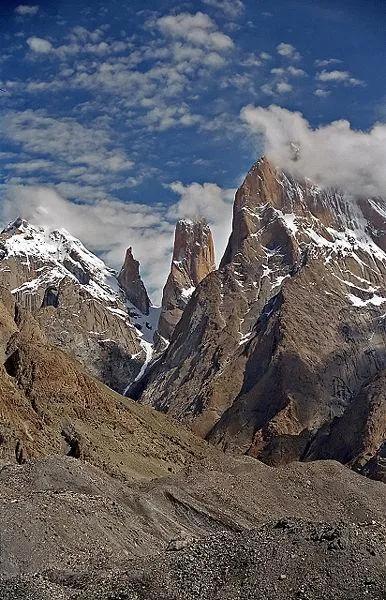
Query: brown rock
x=193, y=259
x=280, y=340
x=132, y=284
x=72, y=295
x=50, y=405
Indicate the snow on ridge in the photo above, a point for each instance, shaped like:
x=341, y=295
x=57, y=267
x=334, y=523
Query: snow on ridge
x=53, y=249
x=375, y=300
x=186, y=293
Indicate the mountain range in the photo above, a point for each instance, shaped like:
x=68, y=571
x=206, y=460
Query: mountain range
x=267, y=368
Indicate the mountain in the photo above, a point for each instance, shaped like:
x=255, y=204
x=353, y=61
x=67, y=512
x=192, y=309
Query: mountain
x=276, y=347
x=276, y=355
x=130, y=281
x=193, y=259
x=50, y=405
x=81, y=304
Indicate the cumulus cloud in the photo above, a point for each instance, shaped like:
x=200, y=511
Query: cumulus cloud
x=198, y=29
x=162, y=117
x=332, y=155
x=230, y=8
x=27, y=10
x=109, y=226
x=288, y=51
x=283, y=87
x=338, y=77
x=79, y=41
x=40, y=45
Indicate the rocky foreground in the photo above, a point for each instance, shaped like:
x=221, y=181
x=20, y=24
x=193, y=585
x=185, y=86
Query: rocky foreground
x=228, y=529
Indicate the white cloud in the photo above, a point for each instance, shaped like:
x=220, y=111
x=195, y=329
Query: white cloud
x=338, y=77
x=162, y=117
x=109, y=226
x=27, y=10
x=198, y=29
x=296, y=72
x=322, y=93
x=331, y=155
x=40, y=45
x=283, y=87
x=288, y=51
x=79, y=41
x=326, y=62
x=230, y=8
x=64, y=139
x=209, y=201
x=293, y=71
x=82, y=161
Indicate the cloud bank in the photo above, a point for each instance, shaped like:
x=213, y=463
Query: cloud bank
x=332, y=155
x=108, y=227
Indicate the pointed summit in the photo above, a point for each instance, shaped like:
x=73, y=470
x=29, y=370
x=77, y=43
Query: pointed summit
x=132, y=284
x=15, y=225
x=193, y=259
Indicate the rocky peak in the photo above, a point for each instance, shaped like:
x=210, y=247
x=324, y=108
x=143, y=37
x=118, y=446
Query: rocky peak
x=75, y=298
x=130, y=281
x=193, y=259
x=280, y=340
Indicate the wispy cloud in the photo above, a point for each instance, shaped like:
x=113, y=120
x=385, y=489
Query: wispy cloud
x=326, y=62
x=231, y=8
x=322, y=93
x=27, y=10
x=69, y=152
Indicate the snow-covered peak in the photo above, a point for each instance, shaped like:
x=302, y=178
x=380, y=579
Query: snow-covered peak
x=56, y=255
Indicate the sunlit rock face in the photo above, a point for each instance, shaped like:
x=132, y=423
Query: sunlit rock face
x=193, y=259
x=277, y=344
x=75, y=298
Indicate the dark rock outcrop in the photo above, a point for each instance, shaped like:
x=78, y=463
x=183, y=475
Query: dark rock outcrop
x=132, y=284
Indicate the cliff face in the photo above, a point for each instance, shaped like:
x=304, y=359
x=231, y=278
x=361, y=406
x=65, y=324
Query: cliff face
x=132, y=284
x=193, y=258
x=279, y=342
x=75, y=299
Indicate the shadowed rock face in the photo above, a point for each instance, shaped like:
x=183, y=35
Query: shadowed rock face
x=193, y=259
x=132, y=284
x=282, y=339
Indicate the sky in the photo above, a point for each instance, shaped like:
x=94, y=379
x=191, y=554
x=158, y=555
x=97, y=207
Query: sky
x=117, y=118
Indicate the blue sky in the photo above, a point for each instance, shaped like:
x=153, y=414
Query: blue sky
x=120, y=117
